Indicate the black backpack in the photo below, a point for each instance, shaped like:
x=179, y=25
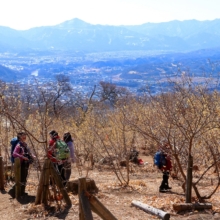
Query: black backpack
x=134, y=156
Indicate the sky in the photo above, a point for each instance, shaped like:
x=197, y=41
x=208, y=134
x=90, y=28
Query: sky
x=25, y=14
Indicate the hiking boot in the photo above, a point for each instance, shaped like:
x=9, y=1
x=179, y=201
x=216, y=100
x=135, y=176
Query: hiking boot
x=24, y=194
x=11, y=192
x=167, y=187
x=162, y=190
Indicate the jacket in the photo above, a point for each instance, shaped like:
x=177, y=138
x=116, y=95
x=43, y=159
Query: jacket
x=51, y=150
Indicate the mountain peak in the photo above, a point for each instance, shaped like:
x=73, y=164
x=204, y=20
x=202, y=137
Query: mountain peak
x=73, y=23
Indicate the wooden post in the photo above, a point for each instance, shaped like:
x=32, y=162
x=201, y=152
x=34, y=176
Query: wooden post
x=46, y=182
x=152, y=210
x=1, y=174
x=72, y=186
x=189, y=179
x=59, y=184
x=17, y=171
x=40, y=186
x=100, y=209
x=84, y=206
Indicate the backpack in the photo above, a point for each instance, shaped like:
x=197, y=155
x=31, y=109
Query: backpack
x=133, y=157
x=14, y=141
x=168, y=164
x=62, y=151
x=159, y=159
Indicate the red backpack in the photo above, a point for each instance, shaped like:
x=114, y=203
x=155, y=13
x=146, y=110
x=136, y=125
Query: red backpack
x=168, y=164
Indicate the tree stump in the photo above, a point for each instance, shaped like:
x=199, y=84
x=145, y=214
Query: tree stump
x=72, y=186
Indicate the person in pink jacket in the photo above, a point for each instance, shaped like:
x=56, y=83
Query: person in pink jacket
x=22, y=152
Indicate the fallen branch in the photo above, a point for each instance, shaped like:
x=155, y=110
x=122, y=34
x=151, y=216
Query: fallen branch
x=163, y=215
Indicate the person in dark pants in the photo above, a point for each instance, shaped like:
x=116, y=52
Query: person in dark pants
x=166, y=172
x=59, y=165
x=69, y=141
x=22, y=152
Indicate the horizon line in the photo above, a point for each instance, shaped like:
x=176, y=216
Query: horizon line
x=110, y=24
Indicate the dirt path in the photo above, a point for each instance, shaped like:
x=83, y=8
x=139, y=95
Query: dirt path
x=144, y=184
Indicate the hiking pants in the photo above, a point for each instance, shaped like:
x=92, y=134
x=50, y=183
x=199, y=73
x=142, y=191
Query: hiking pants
x=24, y=174
x=67, y=167
x=61, y=172
x=164, y=183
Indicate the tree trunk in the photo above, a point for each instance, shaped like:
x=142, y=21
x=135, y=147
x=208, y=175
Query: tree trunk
x=46, y=182
x=40, y=185
x=59, y=184
x=189, y=179
x=1, y=174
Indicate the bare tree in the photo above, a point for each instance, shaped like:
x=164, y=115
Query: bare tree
x=111, y=93
x=184, y=118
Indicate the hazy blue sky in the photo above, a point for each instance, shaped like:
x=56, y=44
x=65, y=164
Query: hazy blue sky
x=24, y=14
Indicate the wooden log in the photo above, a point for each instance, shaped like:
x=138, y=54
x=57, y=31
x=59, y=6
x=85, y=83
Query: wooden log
x=163, y=215
x=84, y=208
x=46, y=182
x=17, y=171
x=40, y=186
x=191, y=206
x=72, y=186
x=1, y=174
x=100, y=209
x=58, y=181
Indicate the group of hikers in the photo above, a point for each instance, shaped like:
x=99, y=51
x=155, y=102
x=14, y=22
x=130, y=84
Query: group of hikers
x=60, y=151
x=62, y=155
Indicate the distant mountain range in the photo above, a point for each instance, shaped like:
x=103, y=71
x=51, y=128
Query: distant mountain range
x=77, y=35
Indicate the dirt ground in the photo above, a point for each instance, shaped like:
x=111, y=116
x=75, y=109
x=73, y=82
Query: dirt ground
x=144, y=184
